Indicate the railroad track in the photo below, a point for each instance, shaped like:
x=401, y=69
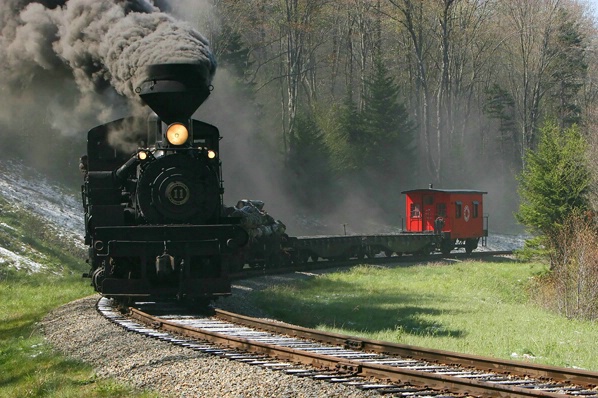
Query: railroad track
x=324, y=264
x=394, y=369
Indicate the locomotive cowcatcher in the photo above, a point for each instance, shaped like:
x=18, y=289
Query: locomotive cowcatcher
x=153, y=199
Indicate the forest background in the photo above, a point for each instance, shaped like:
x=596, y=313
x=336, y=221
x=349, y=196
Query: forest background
x=357, y=100
x=332, y=108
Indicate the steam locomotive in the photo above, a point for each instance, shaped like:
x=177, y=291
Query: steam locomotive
x=153, y=196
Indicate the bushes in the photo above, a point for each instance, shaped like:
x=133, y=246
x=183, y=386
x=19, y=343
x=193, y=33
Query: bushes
x=554, y=187
x=572, y=286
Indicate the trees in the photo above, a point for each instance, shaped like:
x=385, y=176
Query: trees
x=308, y=158
x=554, y=182
x=569, y=71
x=500, y=106
x=386, y=122
x=477, y=78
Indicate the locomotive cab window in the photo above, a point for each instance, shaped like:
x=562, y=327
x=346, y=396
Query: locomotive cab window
x=475, y=211
x=415, y=212
x=458, y=206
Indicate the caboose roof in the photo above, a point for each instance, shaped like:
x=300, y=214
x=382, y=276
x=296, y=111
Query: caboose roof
x=465, y=191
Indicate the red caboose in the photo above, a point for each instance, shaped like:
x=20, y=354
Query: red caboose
x=456, y=214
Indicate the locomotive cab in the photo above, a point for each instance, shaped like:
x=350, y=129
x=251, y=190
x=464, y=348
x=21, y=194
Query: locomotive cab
x=455, y=214
x=153, y=196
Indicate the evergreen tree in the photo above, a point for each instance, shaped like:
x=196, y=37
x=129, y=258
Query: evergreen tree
x=234, y=56
x=500, y=105
x=569, y=71
x=346, y=140
x=308, y=161
x=389, y=130
x=555, y=181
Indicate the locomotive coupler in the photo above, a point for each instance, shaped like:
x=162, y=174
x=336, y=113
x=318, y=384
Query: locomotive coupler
x=165, y=264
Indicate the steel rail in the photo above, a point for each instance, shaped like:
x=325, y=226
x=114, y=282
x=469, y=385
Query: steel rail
x=325, y=264
x=584, y=378
x=358, y=368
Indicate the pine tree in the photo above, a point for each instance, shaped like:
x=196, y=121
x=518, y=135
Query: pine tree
x=389, y=130
x=347, y=140
x=555, y=180
x=308, y=161
x=234, y=56
x=568, y=71
x=500, y=105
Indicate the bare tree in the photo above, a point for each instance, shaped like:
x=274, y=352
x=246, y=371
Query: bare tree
x=528, y=27
x=411, y=17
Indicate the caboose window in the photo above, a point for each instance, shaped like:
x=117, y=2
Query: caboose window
x=415, y=212
x=458, y=206
x=476, y=205
x=441, y=209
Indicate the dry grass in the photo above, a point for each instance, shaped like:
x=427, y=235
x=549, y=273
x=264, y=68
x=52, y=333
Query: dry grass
x=572, y=286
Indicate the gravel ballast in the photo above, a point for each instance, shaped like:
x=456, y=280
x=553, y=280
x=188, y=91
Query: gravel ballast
x=80, y=332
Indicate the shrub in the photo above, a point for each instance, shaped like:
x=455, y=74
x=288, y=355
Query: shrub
x=572, y=286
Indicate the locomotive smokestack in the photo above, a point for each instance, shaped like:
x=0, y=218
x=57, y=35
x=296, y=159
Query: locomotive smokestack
x=174, y=91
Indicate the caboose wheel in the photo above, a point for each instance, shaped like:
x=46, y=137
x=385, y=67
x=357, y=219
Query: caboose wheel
x=470, y=245
x=446, y=246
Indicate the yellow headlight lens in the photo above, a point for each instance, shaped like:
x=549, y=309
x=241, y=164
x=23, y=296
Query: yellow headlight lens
x=211, y=154
x=177, y=134
x=141, y=155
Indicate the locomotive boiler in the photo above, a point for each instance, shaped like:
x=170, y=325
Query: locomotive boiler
x=153, y=196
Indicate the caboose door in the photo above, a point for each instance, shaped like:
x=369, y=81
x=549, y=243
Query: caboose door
x=428, y=215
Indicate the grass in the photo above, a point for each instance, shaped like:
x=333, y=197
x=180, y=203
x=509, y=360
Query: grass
x=472, y=307
x=28, y=365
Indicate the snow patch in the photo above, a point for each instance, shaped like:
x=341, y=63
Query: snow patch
x=29, y=190
x=19, y=262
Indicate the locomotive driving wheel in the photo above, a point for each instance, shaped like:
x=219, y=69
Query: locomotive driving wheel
x=97, y=277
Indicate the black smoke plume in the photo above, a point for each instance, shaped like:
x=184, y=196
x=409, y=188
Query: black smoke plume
x=67, y=65
x=100, y=42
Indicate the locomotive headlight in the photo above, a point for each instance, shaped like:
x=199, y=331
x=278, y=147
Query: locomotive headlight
x=211, y=154
x=177, y=134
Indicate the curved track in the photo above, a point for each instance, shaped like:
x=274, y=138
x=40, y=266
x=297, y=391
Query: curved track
x=397, y=369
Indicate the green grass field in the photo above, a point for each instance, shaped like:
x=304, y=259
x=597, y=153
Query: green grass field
x=28, y=366
x=480, y=308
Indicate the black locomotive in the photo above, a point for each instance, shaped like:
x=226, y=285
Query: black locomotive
x=152, y=196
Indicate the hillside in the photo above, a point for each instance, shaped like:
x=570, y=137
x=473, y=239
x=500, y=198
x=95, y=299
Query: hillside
x=37, y=218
